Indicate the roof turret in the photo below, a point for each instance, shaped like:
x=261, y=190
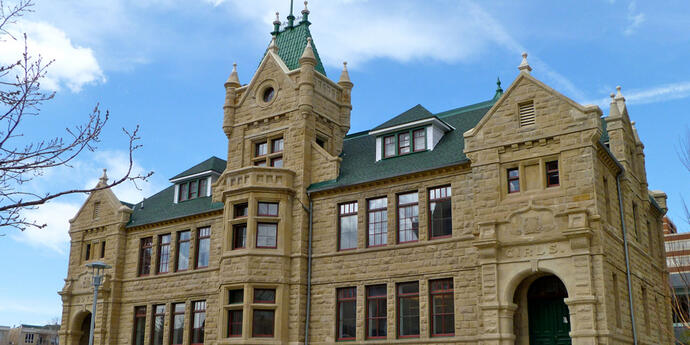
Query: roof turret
x=233, y=79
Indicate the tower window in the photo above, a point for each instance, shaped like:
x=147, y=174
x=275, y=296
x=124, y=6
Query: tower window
x=552, y=179
x=513, y=180
x=262, y=156
x=268, y=94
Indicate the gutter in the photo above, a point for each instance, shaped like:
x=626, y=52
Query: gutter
x=309, y=256
x=625, y=241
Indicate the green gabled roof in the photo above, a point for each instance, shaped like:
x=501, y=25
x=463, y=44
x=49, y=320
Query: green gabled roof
x=160, y=207
x=291, y=43
x=214, y=164
x=359, y=163
x=418, y=112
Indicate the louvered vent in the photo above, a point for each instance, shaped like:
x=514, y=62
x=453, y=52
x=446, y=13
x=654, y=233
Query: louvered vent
x=526, y=114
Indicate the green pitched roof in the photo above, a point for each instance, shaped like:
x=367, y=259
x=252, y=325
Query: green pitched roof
x=214, y=164
x=160, y=207
x=418, y=112
x=291, y=43
x=359, y=163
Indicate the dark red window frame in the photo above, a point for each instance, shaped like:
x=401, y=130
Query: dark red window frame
x=203, y=234
x=177, y=251
x=275, y=225
x=234, y=319
x=139, y=325
x=381, y=238
x=198, y=323
x=175, y=313
x=145, y=249
x=344, y=295
x=258, y=150
x=164, y=253
x=273, y=145
x=257, y=292
x=442, y=288
x=241, y=210
x=438, y=195
x=347, y=209
x=516, y=177
x=378, y=312
x=267, y=212
x=392, y=143
x=552, y=172
x=272, y=314
x=400, y=297
x=421, y=137
x=239, y=236
x=410, y=205
x=158, y=314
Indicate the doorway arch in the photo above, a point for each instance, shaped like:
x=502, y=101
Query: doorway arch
x=542, y=316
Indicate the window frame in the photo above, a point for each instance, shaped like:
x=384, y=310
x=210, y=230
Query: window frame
x=237, y=207
x=139, y=315
x=177, y=250
x=159, y=255
x=87, y=254
x=367, y=316
x=102, y=249
x=350, y=298
x=232, y=321
x=442, y=292
x=200, y=237
x=273, y=323
x=254, y=296
x=409, y=143
x=173, y=314
x=235, y=228
x=449, y=198
x=384, y=209
x=423, y=138
x=552, y=172
x=510, y=179
x=234, y=306
x=394, y=143
x=143, y=246
x=399, y=297
x=268, y=208
x=276, y=235
x=355, y=206
x=193, y=319
x=398, y=206
x=157, y=315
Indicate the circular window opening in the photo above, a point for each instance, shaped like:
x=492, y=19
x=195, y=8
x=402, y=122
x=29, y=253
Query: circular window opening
x=268, y=94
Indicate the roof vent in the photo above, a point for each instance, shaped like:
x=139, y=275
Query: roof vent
x=527, y=116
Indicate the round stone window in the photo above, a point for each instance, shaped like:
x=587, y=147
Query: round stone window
x=269, y=92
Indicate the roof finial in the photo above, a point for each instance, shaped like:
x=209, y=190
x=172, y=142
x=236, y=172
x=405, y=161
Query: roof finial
x=291, y=17
x=344, y=75
x=273, y=46
x=308, y=56
x=305, y=13
x=276, y=24
x=103, y=180
x=233, y=80
x=499, y=90
x=619, y=95
x=524, y=66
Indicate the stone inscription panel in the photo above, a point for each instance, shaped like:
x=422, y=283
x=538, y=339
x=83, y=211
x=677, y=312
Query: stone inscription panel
x=535, y=251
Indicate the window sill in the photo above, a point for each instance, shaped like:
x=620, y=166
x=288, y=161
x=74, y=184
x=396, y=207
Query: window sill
x=174, y=274
x=458, y=238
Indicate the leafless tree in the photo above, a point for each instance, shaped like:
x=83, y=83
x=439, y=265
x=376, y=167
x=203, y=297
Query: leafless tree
x=22, y=160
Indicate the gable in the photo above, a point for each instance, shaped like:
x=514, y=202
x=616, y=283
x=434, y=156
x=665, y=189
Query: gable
x=100, y=207
x=530, y=110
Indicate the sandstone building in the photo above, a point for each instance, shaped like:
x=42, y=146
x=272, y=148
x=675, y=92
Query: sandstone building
x=522, y=219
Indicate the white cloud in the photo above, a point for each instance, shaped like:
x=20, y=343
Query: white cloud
x=655, y=94
x=74, y=66
x=635, y=19
x=55, y=236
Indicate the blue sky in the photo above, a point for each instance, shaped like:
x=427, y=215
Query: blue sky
x=161, y=64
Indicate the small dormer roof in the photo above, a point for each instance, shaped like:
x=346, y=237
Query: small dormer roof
x=213, y=164
x=416, y=115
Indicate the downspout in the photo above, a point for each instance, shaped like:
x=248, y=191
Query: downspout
x=627, y=257
x=311, y=224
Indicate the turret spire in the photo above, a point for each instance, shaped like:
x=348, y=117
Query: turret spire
x=499, y=90
x=276, y=24
x=291, y=17
x=524, y=65
x=305, y=13
x=233, y=80
x=613, y=108
x=344, y=76
x=308, y=54
x=273, y=46
x=103, y=180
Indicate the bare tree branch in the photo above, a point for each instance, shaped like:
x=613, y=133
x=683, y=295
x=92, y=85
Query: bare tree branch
x=21, y=161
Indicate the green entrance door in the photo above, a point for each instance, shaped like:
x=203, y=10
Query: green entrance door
x=549, y=318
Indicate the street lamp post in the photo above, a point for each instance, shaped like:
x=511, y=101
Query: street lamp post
x=97, y=269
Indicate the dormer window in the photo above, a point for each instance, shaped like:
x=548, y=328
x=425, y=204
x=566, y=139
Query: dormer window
x=193, y=189
x=403, y=143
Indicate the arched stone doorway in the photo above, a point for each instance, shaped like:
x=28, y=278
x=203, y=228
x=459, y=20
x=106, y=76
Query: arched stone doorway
x=85, y=330
x=542, y=316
